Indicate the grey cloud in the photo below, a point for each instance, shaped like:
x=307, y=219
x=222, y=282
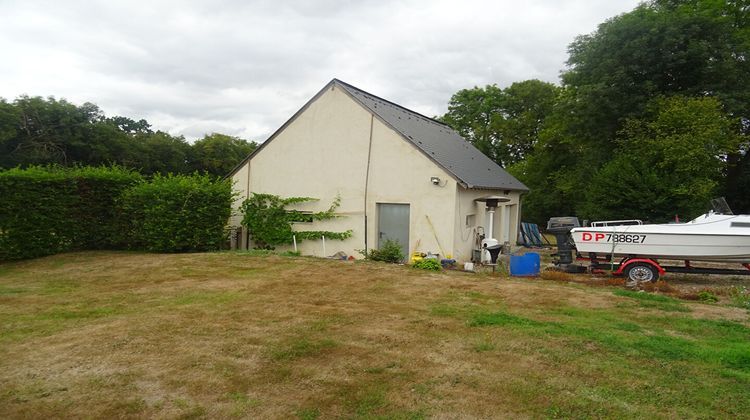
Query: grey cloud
x=243, y=68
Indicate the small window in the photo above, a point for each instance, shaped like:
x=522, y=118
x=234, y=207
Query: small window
x=740, y=224
x=470, y=220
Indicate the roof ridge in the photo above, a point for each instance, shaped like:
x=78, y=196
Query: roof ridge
x=432, y=120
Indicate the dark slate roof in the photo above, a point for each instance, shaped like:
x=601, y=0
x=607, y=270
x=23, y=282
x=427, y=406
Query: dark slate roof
x=439, y=142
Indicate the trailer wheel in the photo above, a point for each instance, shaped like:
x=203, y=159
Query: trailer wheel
x=638, y=273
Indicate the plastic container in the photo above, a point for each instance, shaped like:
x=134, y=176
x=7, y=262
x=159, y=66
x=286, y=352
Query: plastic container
x=487, y=243
x=525, y=265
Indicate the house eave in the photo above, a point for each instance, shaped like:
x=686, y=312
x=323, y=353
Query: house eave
x=496, y=188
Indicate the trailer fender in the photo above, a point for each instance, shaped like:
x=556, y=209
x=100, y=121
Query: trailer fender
x=628, y=261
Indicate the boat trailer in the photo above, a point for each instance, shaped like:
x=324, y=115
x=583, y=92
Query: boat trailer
x=636, y=269
x=641, y=269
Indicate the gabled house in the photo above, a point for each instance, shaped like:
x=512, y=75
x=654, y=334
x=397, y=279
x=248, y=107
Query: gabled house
x=399, y=175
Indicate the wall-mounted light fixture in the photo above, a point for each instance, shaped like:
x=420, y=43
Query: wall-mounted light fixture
x=435, y=180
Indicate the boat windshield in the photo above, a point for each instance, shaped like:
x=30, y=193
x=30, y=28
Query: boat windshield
x=720, y=206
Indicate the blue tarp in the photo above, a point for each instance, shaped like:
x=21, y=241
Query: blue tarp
x=530, y=235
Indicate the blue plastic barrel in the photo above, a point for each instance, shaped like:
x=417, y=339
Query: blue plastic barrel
x=525, y=265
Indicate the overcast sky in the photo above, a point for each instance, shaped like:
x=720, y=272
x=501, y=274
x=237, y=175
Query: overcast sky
x=244, y=67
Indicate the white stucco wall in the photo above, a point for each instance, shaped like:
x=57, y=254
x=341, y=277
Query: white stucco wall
x=465, y=205
x=321, y=154
x=400, y=173
x=324, y=152
x=240, y=180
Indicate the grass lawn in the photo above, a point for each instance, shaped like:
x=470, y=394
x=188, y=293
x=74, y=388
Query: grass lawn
x=105, y=334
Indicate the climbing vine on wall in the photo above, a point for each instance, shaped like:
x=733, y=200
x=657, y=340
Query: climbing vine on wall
x=270, y=223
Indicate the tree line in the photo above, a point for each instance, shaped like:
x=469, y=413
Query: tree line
x=650, y=120
x=36, y=130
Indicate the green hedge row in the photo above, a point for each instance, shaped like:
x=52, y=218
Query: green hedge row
x=34, y=213
x=46, y=210
x=98, y=190
x=177, y=213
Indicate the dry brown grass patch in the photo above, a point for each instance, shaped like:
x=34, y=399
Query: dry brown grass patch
x=658, y=286
x=231, y=335
x=557, y=275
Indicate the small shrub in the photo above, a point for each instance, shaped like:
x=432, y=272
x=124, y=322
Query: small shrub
x=703, y=295
x=707, y=297
x=431, y=264
x=390, y=252
x=740, y=296
x=642, y=296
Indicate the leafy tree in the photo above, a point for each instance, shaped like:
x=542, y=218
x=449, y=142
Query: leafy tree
x=474, y=113
x=559, y=165
x=688, y=48
x=36, y=130
x=504, y=124
x=737, y=187
x=39, y=130
x=526, y=105
x=130, y=126
x=669, y=162
x=8, y=132
x=218, y=154
x=159, y=152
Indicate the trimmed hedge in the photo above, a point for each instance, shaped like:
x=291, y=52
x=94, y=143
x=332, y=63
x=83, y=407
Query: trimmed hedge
x=176, y=213
x=46, y=210
x=97, y=190
x=35, y=206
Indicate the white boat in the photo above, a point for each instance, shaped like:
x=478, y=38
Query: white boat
x=710, y=237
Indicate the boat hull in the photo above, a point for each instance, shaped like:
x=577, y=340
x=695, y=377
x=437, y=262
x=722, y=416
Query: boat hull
x=648, y=243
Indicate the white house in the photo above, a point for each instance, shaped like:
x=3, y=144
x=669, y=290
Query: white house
x=399, y=175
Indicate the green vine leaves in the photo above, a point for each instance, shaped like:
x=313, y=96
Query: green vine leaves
x=270, y=223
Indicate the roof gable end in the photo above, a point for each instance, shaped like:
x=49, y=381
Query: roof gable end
x=439, y=142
